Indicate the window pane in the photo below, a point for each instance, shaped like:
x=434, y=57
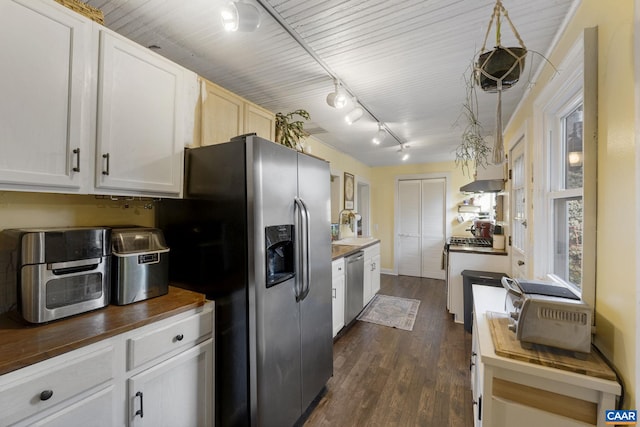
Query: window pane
x=568, y=240
x=572, y=125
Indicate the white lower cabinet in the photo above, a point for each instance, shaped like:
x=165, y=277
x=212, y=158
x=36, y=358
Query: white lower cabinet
x=170, y=393
x=371, y=272
x=92, y=386
x=338, y=294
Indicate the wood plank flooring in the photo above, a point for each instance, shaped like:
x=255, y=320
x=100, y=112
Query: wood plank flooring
x=389, y=377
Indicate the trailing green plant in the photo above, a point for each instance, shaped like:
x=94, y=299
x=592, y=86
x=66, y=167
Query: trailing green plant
x=290, y=131
x=473, y=151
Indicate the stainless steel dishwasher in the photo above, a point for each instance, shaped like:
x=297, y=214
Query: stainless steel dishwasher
x=354, y=286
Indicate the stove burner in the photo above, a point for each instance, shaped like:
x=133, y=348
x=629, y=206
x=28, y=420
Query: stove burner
x=471, y=241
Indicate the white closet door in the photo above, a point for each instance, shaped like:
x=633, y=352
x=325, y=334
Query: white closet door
x=409, y=251
x=433, y=227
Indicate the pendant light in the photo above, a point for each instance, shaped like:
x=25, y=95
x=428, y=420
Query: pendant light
x=337, y=98
x=380, y=135
x=239, y=16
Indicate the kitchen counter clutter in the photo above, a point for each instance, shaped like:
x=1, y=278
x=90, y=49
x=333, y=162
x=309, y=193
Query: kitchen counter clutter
x=511, y=391
x=110, y=366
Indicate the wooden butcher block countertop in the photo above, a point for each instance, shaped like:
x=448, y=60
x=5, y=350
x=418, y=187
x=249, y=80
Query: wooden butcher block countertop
x=23, y=344
x=507, y=345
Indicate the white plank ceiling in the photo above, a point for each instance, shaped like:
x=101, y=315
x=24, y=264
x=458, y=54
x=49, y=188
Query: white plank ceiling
x=404, y=60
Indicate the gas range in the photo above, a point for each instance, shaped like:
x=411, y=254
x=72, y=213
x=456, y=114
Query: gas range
x=477, y=242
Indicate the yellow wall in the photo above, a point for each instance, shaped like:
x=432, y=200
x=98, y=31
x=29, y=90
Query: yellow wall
x=384, y=197
x=616, y=271
x=19, y=210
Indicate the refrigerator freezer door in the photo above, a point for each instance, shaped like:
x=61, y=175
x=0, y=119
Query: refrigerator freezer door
x=277, y=320
x=315, y=309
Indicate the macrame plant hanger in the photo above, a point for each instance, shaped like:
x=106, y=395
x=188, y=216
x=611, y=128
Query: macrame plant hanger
x=499, y=78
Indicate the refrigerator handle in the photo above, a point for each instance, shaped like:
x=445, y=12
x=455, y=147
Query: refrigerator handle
x=303, y=249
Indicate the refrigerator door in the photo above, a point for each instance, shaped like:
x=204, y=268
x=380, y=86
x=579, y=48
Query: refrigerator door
x=277, y=320
x=315, y=309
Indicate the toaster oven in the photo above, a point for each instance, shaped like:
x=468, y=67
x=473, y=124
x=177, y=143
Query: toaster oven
x=58, y=272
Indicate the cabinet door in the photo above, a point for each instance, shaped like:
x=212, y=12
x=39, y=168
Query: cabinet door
x=140, y=120
x=222, y=114
x=338, y=303
x=177, y=392
x=43, y=79
x=375, y=275
x=366, y=292
x=260, y=121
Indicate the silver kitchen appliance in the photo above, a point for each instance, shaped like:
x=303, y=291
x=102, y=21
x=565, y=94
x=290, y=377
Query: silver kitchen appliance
x=354, y=286
x=252, y=233
x=548, y=314
x=58, y=272
x=140, y=264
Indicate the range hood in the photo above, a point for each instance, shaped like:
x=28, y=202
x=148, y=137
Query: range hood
x=489, y=179
x=483, y=186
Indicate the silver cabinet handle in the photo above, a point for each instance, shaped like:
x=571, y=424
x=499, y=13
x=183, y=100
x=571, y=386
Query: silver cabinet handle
x=76, y=151
x=106, y=157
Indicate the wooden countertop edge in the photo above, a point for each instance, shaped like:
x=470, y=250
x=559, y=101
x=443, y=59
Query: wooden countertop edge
x=23, y=344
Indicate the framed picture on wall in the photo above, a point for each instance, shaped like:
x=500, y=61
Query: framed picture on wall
x=348, y=190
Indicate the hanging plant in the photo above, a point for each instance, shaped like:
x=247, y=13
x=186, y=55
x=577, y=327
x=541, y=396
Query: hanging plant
x=473, y=151
x=290, y=131
x=499, y=69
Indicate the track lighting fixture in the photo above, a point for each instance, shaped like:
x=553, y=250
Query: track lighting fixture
x=337, y=98
x=355, y=114
x=239, y=16
x=380, y=135
x=404, y=156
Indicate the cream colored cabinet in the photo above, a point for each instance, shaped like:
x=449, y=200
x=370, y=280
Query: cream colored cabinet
x=338, y=294
x=44, y=110
x=260, y=121
x=140, y=125
x=371, y=272
x=159, y=374
x=225, y=115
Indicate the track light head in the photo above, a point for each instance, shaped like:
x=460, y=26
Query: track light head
x=337, y=98
x=380, y=135
x=355, y=114
x=404, y=156
x=239, y=16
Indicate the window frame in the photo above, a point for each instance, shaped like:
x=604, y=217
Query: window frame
x=576, y=80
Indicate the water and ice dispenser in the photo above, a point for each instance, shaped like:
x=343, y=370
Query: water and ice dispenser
x=280, y=254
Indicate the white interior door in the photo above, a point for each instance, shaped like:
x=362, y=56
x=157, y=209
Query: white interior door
x=433, y=232
x=518, y=210
x=421, y=227
x=409, y=247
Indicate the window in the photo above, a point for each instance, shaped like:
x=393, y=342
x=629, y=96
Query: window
x=564, y=172
x=565, y=195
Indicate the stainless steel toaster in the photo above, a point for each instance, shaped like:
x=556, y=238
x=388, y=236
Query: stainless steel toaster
x=140, y=264
x=57, y=272
x=548, y=314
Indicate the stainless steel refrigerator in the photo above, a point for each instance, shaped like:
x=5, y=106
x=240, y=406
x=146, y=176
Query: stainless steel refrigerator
x=253, y=234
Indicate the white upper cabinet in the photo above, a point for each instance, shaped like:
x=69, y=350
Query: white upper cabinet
x=84, y=110
x=46, y=60
x=140, y=122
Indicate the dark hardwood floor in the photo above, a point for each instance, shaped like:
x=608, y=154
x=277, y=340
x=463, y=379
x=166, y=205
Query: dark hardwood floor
x=389, y=377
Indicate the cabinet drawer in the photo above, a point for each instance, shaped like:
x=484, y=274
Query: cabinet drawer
x=372, y=251
x=337, y=268
x=165, y=339
x=61, y=378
